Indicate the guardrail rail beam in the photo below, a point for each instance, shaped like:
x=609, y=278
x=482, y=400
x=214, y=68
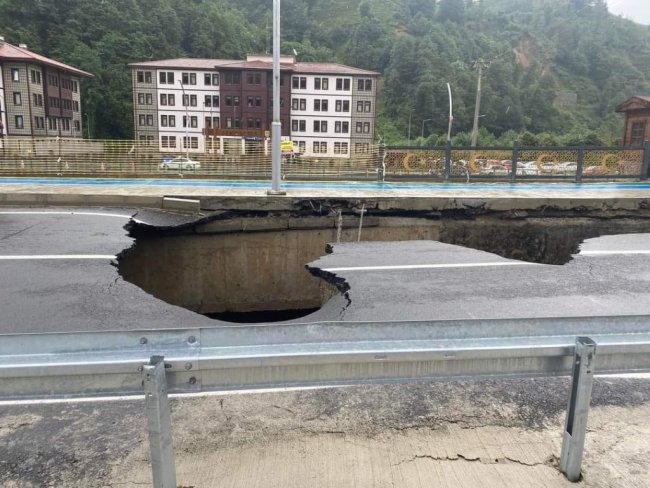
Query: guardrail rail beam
x=579, y=398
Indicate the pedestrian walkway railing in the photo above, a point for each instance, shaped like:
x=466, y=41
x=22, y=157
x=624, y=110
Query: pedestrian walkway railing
x=158, y=362
x=517, y=163
x=243, y=159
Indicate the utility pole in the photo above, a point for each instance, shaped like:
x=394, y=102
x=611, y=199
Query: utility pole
x=276, y=126
x=480, y=64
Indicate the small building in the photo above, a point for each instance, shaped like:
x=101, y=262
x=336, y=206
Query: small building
x=39, y=97
x=214, y=105
x=637, y=120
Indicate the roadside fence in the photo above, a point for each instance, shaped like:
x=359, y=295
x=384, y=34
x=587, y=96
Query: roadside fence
x=252, y=160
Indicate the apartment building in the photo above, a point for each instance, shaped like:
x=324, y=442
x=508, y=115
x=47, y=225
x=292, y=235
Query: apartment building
x=203, y=105
x=39, y=97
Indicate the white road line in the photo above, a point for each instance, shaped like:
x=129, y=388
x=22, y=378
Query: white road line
x=432, y=266
x=57, y=256
x=611, y=253
x=92, y=214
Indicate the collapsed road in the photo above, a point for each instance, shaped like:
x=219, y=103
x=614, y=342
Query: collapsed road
x=59, y=273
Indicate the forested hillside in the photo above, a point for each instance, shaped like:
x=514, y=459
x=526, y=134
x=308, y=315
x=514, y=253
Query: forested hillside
x=557, y=68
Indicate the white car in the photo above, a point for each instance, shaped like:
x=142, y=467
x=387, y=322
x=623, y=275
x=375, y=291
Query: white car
x=180, y=163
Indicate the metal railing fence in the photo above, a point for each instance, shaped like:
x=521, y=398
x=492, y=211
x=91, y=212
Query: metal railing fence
x=241, y=159
x=135, y=159
x=321, y=354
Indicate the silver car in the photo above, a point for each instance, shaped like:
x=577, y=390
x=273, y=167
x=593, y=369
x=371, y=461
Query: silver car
x=180, y=163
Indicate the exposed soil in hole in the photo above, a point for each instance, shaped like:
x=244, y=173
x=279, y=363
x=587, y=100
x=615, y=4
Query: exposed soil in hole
x=260, y=275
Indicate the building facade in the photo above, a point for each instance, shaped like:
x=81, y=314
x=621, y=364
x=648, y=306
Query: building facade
x=198, y=105
x=637, y=120
x=39, y=97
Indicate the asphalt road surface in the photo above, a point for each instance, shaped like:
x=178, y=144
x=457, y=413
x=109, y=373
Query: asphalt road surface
x=57, y=273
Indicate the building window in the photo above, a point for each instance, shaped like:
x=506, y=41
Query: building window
x=254, y=78
x=362, y=148
x=359, y=127
x=77, y=126
x=140, y=98
x=171, y=100
x=299, y=83
x=166, y=77
x=360, y=106
x=188, y=78
x=342, y=106
x=364, y=84
x=194, y=142
x=320, y=125
x=163, y=99
x=150, y=120
x=15, y=74
x=319, y=147
x=208, y=101
x=638, y=134
x=321, y=83
x=75, y=105
x=38, y=100
x=143, y=77
x=168, y=141
x=367, y=106
x=342, y=127
x=142, y=120
x=340, y=148
x=211, y=79
x=36, y=77
x=18, y=100
x=65, y=125
x=233, y=78
x=39, y=122
x=366, y=127
x=172, y=120
x=320, y=105
x=343, y=84
x=212, y=122
x=302, y=147
x=163, y=121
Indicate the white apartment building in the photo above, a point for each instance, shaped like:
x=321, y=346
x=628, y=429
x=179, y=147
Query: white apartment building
x=203, y=106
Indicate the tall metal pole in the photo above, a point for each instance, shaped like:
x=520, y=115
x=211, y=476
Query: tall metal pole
x=451, y=114
x=186, y=102
x=276, y=126
x=477, y=107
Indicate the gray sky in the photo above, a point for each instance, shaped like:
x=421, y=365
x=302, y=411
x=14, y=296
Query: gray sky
x=636, y=10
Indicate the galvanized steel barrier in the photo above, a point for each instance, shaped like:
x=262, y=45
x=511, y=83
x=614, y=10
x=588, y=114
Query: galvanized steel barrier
x=321, y=354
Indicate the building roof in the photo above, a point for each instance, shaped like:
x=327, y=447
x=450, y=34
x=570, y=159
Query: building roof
x=211, y=64
x=9, y=52
x=634, y=103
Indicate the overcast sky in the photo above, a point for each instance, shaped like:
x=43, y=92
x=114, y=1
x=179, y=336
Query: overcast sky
x=636, y=10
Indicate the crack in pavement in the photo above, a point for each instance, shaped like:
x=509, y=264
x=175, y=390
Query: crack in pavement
x=551, y=461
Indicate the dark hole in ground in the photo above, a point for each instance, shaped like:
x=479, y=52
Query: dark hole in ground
x=262, y=316
x=253, y=277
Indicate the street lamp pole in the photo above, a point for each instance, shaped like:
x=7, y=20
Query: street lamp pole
x=276, y=126
x=186, y=102
x=424, y=122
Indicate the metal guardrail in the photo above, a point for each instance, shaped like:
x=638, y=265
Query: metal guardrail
x=323, y=354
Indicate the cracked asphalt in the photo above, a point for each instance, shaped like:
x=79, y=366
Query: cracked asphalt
x=488, y=433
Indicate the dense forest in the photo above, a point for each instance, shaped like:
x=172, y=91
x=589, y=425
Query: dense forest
x=555, y=68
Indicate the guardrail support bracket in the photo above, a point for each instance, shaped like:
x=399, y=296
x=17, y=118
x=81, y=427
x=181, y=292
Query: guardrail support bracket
x=159, y=423
x=579, y=398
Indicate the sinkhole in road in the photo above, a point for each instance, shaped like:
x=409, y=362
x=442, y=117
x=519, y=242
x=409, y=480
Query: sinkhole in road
x=261, y=276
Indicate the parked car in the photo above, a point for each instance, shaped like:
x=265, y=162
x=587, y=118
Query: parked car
x=568, y=167
x=495, y=169
x=595, y=171
x=179, y=163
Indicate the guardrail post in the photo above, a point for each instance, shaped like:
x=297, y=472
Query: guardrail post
x=645, y=169
x=447, y=160
x=579, y=397
x=580, y=163
x=515, y=159
x=381, y=158
x=159, y=424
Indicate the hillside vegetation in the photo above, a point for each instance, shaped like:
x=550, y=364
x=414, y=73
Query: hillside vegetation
x=557, y=68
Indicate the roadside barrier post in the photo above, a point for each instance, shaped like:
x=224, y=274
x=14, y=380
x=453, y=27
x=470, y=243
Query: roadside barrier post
x=447, y=160
x=515, y=158
x=575, y=428
x=645, y=169
x=580, y=164
x=159, y=423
